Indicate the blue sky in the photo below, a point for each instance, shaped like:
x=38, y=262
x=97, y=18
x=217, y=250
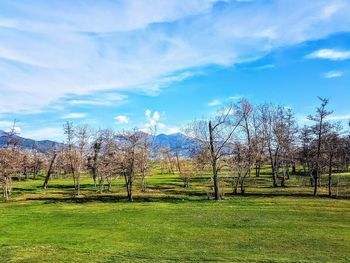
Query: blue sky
x=123, y=64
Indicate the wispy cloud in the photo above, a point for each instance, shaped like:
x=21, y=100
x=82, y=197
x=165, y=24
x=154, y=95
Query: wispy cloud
x=74, y=115
x=214, y=103
x=237, y=97
x=331, y=54
x=333, y=74
x=103, y=99
x=58, y=51
x=304, y=120
x=339, y=117
x=122, y=119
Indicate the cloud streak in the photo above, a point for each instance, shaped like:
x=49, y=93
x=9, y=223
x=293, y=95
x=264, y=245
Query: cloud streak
x=52, y=49
x=74, y=115
x=330, y=54
x=333, y=74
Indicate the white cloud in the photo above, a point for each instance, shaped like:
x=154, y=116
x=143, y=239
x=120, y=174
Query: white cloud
x=74, y=115
x=214, y=103
x=333, y=74
x=107, y=99
x=122, y=119
x=156, y=116
x=303, y=120
x=237, y=97
x=339, y=117
x=52, y=49
x=331, y=54
x=148, y=113
x=153, y=120
x=225, y=111
x=8, y=125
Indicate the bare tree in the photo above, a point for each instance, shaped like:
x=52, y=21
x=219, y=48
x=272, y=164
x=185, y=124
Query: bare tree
x=109, y=161
x=93, y=159
x=332, y=147
x=166, y=159
x=9, y=161
x=215, y=134
x=82, y=135
x=8, y=167
x=75, y=150
x=187, y=170
x=279, y=129
x=36, y=162
x=319, y=130
x=129, y=144
x=143, y=155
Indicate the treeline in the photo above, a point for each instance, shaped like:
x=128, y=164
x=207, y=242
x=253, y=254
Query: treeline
x=240, y=139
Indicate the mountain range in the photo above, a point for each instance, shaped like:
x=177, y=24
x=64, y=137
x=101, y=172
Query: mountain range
x=175, y=142
x=30, y=144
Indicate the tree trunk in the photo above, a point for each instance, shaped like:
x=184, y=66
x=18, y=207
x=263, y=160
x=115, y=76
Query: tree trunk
x=78, y=183
x=294, y=169
x=130, y=192
x=330, y=176
x=213, y=163
x=235, y=185
x=143, y=180
x=101, y=184
x=242, y=187
x=257, y=170
x=143, y=184
x=49, y=171
x=274, y=175
x=315, y=181
x=186, y=183
x=109, y=181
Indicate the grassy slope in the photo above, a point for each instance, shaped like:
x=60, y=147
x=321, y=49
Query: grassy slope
x=178, y=225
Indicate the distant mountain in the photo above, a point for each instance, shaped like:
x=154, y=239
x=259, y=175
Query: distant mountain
x=30, y=144
x=175, y=142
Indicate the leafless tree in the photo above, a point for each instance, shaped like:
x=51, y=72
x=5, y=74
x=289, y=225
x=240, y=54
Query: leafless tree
x=8, y=167
x=93, y=159
x=143, y=155
x=319, y=130
x=187, y=170
x=279, y=130
x=75, y=151
x=129, y=143
x=108, y=162
x=215, y=134
x=332, y=151
x=166, y=159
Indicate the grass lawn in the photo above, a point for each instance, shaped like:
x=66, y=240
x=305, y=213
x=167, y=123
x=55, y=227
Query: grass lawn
x=169, y=223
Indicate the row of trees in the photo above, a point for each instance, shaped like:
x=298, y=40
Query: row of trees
x=241, y=139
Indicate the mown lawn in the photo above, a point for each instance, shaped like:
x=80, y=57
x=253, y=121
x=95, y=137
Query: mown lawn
x=169, y=223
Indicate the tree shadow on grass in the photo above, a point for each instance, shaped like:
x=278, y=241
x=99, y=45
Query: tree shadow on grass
x=185, y=197
x=286, y=194
x=67, y=186
x=113, y=199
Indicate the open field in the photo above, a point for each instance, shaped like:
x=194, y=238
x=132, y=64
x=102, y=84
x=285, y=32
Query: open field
x=170, y=223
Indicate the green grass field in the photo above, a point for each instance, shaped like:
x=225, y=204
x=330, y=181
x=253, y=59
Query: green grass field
x=170, y=223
